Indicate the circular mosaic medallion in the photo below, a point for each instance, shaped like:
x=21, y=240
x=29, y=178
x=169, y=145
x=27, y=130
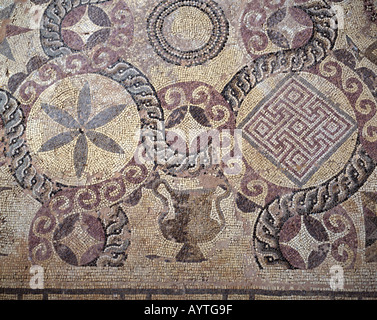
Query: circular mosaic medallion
x=77, y=134
x=300, y=133
x=69, y=26
x=266, y=29
x=186, y=32
x=196, y=116
x=74, y=124
x=281, y=24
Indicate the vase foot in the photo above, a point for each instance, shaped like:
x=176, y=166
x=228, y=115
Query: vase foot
x=190, y=253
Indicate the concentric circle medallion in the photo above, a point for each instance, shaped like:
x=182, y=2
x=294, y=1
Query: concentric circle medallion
x=188, y=32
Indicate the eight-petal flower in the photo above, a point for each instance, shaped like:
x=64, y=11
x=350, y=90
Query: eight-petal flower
x=83, y=128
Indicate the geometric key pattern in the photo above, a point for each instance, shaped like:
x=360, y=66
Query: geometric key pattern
x=297, y=128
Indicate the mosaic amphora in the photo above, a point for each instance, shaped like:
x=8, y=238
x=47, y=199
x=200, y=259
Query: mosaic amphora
x=192, y=223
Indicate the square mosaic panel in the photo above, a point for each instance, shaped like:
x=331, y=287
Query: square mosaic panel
x=297, y=129
x=188, y=149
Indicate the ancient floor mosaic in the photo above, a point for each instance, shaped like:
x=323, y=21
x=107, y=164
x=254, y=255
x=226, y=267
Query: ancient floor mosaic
x=188, y=149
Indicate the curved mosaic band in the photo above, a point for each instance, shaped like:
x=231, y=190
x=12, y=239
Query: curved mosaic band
x=307, y=202
x=321, y=42
x=23, y=170
x=152, y=124
x=14, y=119
x=153, y=135
x=316, y=199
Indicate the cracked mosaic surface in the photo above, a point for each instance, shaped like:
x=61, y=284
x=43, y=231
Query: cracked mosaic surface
x=184, y=149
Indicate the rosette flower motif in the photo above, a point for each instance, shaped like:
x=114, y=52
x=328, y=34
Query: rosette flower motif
x=82, y=128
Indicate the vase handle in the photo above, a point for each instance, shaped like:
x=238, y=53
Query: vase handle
x=164, y=200
x=218, y=204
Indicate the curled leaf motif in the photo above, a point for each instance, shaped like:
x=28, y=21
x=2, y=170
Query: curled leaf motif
x=98, y=37
x=199, y=115
x=72, y=39
x=278, y=38
x=98, y=16
x=176, y=117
